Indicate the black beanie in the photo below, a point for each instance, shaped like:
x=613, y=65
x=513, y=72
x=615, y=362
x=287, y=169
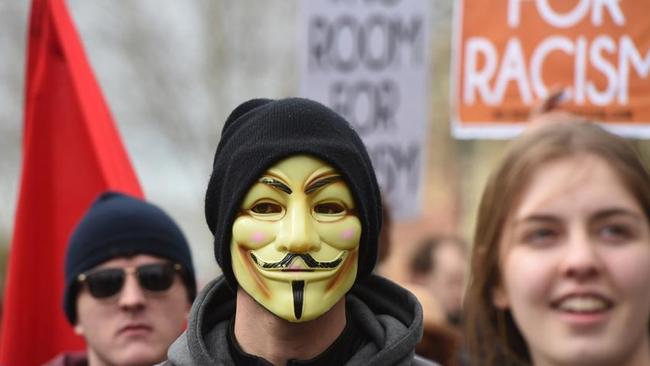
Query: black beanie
x=259, y=133
x=117, y=225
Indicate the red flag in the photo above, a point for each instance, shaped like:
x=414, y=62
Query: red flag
x=71, y=152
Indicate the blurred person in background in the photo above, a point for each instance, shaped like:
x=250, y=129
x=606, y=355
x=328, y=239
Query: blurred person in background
x=440, y=263
x=129, y=283
x=440, y=342
x=294, y=206
x=437, y=270
x=561, y=258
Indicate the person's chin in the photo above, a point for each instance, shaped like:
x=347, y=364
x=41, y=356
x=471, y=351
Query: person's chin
x=139, y=355
x=585, y=357
x=585, y=350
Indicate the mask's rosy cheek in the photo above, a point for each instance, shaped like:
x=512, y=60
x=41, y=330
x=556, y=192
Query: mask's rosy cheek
x=258, y=237
x=344, y=234
x=348, y=233
x=253, y=234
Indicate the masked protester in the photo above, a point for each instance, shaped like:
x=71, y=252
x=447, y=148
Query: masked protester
x=129, y=283
x=295, y=210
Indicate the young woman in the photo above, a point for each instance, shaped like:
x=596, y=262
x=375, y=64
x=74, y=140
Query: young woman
x=561, y=259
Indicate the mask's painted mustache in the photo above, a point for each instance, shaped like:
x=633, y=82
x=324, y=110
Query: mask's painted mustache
x=306, y=257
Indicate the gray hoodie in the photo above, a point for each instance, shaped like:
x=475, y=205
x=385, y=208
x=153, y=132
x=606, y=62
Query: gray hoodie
x=389, y=316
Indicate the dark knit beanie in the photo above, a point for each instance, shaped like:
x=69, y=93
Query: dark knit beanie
x=117, y=225
x=259, y=133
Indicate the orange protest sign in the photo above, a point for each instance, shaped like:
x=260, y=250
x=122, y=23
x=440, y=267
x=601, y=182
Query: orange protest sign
x=510, y=53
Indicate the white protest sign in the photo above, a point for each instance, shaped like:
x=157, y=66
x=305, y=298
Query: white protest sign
x=369, y=61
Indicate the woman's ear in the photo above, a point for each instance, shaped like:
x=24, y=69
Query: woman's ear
x=500, y=297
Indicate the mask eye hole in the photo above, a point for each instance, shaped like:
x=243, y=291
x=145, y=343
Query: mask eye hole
x=329, y=211
x=329, y=208
x=266, y=208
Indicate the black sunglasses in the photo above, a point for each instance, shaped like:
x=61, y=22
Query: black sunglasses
x=103, y=283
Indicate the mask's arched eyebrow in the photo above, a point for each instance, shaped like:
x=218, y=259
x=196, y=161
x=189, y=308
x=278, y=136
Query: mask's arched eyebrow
x=320, y=183
x=276, y=184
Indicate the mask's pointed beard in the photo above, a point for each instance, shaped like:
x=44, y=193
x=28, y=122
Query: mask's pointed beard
x=298, y=296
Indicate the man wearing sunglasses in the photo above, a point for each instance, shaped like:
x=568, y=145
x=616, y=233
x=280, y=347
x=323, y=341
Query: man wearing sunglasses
x=295, y=210
x=129, y=283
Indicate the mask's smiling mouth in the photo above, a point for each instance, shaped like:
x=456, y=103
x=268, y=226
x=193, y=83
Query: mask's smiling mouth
x=298, y=262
